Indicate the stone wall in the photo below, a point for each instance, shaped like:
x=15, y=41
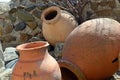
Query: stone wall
x=22, y=22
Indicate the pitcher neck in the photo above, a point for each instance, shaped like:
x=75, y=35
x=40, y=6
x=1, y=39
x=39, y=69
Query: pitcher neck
x=51, y=15
x=33, y=50
x=33, y=55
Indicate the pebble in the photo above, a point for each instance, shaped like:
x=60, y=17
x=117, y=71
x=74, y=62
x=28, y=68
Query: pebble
x=32, y=24
x=13, y=10
x=30, y=8
x=1, y=31
x=24, y=37
x=7, y=38
x=10, y=54
x=2, y=65
x=8, y=28
x=12, y=18
x=24, y=15
x=37, y=13
x=58, y=50
x=20, y=26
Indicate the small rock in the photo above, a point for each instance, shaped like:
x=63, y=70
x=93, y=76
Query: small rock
x=8, y=28
x=4, y=7
x=34, y=39
x=24, y=15
x=24, y=37
x=2, y=65
x=42, y=6
x=20, y=26
x=30, y=8
x=10, y=54
x=6, y=74
x=32, y=24
x=1, y=31
x=36, y=31
x=37, y=13
x=58, y=50
x=8, y=38
x=13, y=10
x=12, y=18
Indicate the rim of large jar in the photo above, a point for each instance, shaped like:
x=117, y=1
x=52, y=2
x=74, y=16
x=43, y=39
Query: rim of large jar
x=48, y=11
x=32, y=45
x=73, y=68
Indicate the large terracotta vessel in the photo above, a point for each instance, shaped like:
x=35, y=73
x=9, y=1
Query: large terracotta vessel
x=35, y=63
x=93, y=48
x=57, y=24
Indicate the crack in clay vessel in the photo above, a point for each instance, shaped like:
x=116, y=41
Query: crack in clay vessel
x=93, y=47
x=57, y=24
x=35, y=63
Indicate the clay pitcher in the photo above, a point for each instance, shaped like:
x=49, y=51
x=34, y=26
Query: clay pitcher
x=93, y=48
x=35, y=63
x=57, y=24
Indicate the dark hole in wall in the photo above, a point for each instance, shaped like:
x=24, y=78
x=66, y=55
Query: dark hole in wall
x=51, y=15
x=68, y=75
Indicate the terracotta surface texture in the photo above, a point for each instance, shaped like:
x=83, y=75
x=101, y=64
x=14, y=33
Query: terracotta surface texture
x=93, y=47
x=35, y=63
x=57, y=24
